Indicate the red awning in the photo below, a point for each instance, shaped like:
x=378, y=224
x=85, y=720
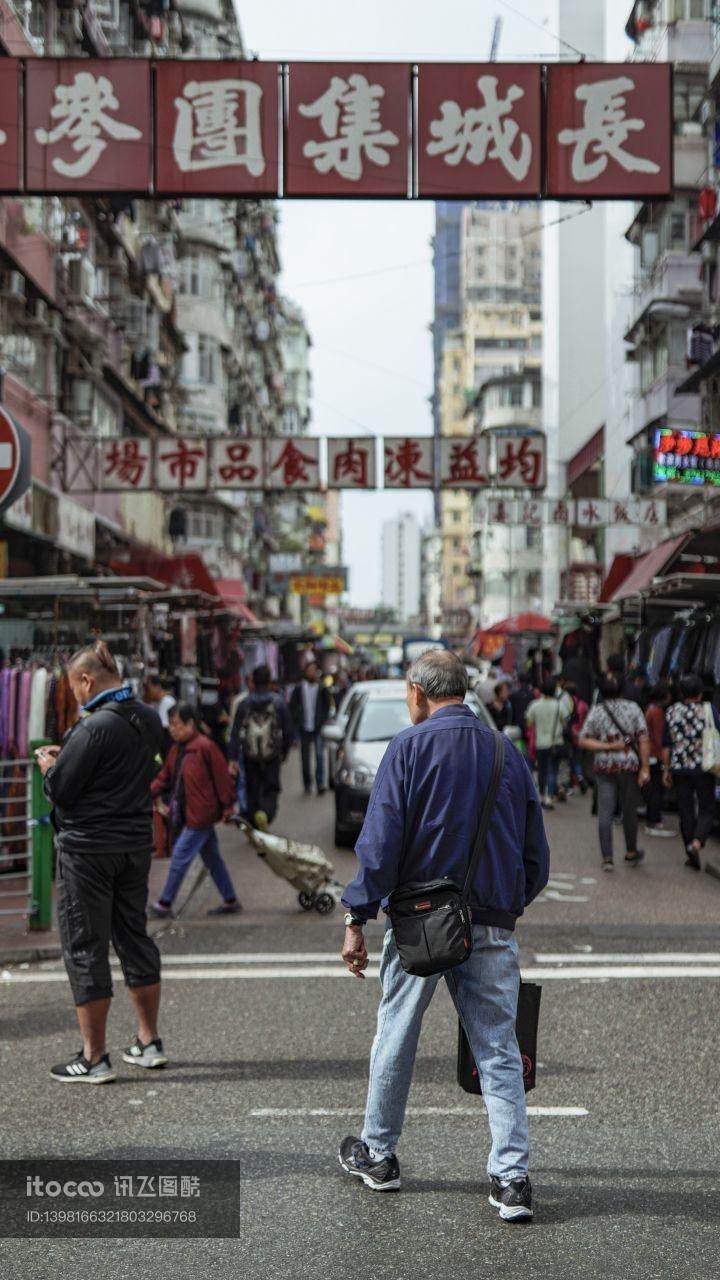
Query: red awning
x=232, y=593
x=188, y=572
x=521, y=624
x=617, y=573
x=649, y=566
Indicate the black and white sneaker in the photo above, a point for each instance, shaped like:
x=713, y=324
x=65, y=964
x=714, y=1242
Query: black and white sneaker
x=80, y=1071
x=513, y=1201
x=379, y=1175
x=145, y=1055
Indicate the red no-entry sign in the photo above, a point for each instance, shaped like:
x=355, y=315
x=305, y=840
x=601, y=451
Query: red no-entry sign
x=10, y=452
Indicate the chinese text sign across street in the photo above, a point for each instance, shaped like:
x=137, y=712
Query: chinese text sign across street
x=370, y=129
x=87, y=125
x=216, y=128
x=480, y=130
x=348, y=129
x=178, y=464
x=609, y=129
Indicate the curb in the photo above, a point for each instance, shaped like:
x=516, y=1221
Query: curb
x=30, y=955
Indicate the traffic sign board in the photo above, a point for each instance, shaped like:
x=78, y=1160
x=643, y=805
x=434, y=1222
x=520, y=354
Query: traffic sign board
x=10, y=452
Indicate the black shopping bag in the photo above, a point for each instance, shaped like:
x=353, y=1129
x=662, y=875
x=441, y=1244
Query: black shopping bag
x=528, y=1014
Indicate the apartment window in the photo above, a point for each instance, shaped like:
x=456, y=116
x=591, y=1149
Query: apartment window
x=24, y=357
x=533, y=582
x=208, y=359
x=533, y=539
x=456, y=544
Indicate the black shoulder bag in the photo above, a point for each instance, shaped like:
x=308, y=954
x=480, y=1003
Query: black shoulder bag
x=432, y=922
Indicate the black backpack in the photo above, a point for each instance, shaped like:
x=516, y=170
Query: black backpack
x=261, y=738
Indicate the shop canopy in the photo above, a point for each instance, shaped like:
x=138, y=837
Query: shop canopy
x=646, y=568
x=521, y=624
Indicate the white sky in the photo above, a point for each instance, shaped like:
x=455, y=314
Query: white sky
x=362, y=271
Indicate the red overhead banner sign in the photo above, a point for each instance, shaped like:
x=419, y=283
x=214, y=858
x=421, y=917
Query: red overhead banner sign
x=373, y=129
x=198, y=464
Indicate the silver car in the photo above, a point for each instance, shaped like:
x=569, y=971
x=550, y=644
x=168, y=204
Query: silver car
x=334, y=731
x=377, y=716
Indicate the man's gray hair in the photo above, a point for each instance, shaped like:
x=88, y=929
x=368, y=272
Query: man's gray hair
x=440, y=674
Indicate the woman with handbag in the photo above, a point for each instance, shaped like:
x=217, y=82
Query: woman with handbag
x=616, y=732
x=691, y=751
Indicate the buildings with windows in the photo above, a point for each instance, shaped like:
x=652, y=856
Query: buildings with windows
x=401, y=566
x=130, y=318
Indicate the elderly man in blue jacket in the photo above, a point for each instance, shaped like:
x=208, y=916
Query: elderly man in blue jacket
x=421, y=822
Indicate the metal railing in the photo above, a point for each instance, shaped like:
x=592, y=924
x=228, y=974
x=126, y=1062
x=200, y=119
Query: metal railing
x=16, y=839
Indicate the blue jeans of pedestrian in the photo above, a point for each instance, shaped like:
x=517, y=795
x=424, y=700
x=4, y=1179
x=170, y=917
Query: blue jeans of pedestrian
x=190, y=842
x=485, y=992
x=309, y=743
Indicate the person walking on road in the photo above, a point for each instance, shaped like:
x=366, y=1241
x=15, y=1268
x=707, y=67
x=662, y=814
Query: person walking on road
x=682, y=766
x=194, y=790
x=520, y=699
x=655, y=717
x=310, y=707
x=261, y=738
x=615, y=730
x=99, y=782
x=421, y=823
x=545, y=716
x=159, y=697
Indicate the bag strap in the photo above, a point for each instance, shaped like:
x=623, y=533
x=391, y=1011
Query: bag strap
x=625, y=733
x=487, y=811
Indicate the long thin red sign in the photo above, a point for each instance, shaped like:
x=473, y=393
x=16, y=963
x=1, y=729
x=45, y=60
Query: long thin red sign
x=400, y=130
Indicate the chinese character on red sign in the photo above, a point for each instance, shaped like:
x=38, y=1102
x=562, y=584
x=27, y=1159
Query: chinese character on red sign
x=348, y=129
x=500, y=511
x=531, y=514
x=609, y=130
x=237, y=464
x=479, y=130
x=216, y=127
x=463, y=463
x=291, y=466
x=87, y=125
x=521, y=462
x=351, y=463
x=182, y=465
x=10, y=124
x=409, y=463
x=561, y=513
x=622, y=513
x=127, y=464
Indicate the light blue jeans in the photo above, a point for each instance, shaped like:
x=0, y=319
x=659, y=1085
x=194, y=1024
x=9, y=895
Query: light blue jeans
x=485, y=991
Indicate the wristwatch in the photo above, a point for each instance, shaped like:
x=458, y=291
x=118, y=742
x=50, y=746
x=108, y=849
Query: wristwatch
x=351, y=920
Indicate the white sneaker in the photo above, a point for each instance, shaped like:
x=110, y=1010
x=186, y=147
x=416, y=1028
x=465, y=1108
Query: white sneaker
x=660, y=831
x=146, y=1055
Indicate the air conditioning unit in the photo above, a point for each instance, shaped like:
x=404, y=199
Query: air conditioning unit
x=81, y=279
x=37, y=313
x=136, y=319
x=108, y=12
x=12, y=285
x=82, y=400
x=69, y=30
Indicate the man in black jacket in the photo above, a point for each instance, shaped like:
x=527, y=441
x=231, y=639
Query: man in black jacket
x=99, y=782
x=310, y=706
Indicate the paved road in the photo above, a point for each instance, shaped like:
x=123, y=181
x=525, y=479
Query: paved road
x=269, y=1042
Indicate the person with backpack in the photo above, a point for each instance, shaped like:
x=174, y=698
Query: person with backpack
x=99, y=783
x=260, y=740
x=194, y=790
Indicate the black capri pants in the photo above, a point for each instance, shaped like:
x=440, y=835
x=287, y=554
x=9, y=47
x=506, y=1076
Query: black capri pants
x=102, y=898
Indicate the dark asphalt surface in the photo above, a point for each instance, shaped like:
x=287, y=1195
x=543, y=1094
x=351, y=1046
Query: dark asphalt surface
x=628, y=1190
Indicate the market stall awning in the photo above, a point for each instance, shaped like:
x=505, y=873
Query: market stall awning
x=231, y=592
x=649, y=566
x=621, y=566
x=519, y=624
x=186, y=572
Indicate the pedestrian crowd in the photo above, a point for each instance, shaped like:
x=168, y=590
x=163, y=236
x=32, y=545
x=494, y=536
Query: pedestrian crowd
x=638, y=749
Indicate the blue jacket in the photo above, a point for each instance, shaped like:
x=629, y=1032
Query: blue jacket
x=424, y=813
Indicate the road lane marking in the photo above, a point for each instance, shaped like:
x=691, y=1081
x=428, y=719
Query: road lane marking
x=629, y=957
x=538, y=973
x=283, y=1113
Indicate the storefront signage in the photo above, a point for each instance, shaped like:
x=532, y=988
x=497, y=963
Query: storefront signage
x=433, y=130
x=314, y=585
x=588, y=513
x=686, y=457
x=201, y=464
x=75, y=528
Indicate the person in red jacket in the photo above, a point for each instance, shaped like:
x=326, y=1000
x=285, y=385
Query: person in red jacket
x=195, y=790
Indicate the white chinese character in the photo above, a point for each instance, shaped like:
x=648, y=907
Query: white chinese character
x=82, y=110
x=3, y=137
x=482, y=133
x=349, y=114
x=604, y=131
x=218, y=123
